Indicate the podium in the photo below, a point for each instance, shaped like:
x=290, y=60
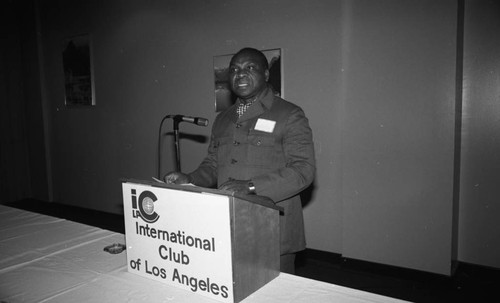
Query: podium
x=210, y=242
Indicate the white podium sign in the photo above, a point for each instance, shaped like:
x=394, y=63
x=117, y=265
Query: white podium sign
x=180, y=238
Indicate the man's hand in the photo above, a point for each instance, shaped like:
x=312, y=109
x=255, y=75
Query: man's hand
x=239, y=186
x=176, y=177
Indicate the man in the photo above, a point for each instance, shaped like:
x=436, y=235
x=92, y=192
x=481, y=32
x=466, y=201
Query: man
x=261, y=145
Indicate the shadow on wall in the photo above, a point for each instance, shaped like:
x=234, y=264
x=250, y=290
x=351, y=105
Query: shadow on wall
x=196, y=138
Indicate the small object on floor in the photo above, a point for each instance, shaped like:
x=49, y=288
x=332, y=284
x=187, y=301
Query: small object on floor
x=115, y=248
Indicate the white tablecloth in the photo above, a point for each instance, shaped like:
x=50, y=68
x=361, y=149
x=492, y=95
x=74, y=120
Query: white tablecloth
x=46, y=259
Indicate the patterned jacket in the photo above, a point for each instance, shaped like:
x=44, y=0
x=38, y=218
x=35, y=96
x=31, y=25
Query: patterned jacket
x=272, y=145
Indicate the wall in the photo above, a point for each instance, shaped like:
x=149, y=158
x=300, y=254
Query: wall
x=398, y=133
x=376, y=79
x=156, y=58
x=14, y=164
x=480, y=174
x=23, y=162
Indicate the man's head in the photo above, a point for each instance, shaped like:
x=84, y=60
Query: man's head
x=248, y=73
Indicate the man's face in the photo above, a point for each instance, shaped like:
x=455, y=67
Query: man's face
x=247, y=75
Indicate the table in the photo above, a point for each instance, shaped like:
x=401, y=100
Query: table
x=48, y=259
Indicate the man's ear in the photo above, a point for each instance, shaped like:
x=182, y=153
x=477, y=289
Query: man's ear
x=266, y=73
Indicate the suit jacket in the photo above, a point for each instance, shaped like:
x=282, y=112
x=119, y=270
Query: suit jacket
x=272, y=145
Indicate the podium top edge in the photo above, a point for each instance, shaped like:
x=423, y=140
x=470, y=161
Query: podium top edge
x=260, y=200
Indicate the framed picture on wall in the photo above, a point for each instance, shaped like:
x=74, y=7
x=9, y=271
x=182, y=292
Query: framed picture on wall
x=223, y=95
x=78, y=71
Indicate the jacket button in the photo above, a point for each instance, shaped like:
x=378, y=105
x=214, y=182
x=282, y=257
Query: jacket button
x=236, y=143
x=259, y=143
x=234, y=161
x=238, y=125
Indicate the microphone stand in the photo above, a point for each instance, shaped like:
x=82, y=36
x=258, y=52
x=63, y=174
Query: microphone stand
x=159, y=146
x=177, y=119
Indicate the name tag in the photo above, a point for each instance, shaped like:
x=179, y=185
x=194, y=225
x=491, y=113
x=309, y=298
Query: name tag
x=265, y=125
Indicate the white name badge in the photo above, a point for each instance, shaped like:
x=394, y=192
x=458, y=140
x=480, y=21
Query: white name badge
x=265, y=125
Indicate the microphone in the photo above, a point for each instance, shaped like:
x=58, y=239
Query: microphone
x=195, y=120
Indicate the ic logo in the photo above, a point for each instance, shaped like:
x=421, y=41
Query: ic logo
x=144, y=208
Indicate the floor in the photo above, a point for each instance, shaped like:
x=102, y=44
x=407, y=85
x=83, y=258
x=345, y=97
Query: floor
x=470, y=283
